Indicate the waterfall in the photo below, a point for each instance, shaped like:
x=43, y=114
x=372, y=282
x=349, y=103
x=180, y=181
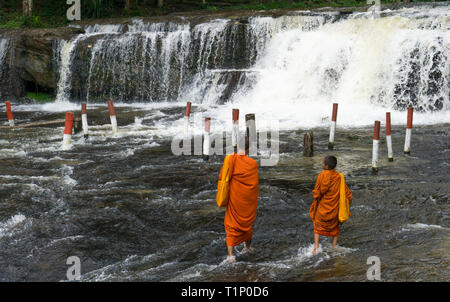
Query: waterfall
x=401, y=59
x=67, y=50
x=3, y=51
x=398, y=59
x=4, y=42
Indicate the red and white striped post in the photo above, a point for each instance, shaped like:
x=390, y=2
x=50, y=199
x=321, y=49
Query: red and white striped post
x=112, y=116
x=67, y=131
x=333, y=126
x=388, y=137
x=9, y=113
x=84, y=122
x=376, y=142
x=409, y=123
x=187, y=114
x=206, y=141
x=235, y=129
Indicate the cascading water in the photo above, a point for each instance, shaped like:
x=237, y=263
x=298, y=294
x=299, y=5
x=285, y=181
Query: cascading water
x=4, y=42
x=369, y=65
x=67, y=51
x=305, y=60
x=3, y=50
x=133, y=211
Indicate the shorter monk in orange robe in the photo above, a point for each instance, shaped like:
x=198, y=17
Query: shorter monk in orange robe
x=327, y=194
x=241, y=209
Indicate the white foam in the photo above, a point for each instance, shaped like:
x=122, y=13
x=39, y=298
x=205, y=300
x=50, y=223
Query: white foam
x=421, y=226
x=7, y=227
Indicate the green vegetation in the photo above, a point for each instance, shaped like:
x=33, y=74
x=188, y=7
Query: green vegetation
x=41, y=97
x=52, y=13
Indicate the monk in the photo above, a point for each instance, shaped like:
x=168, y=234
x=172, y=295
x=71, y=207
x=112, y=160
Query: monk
x=326, y=193
x=241, y=209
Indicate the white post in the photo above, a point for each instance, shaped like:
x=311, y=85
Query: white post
x=84, y=122
x=187, y=114
x=408, y=130
x=9, y=113
x=251, y=133
x=388, y=137
x=67, y=131
x=333, y=127
x=206, y=141
x=112, y=116
x=235, y=129
x=375, y=147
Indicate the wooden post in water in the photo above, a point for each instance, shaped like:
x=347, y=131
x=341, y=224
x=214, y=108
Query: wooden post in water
x=206, y=141
x=250, y=132
x=388, y=137
x=409, y=123
x=308, y=144
x=333, y=127
x=376, y=142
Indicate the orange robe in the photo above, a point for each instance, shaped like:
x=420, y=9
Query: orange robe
x=241, y=209
x=326, y=192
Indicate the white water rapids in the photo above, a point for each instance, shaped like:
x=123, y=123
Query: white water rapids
x=297, y=66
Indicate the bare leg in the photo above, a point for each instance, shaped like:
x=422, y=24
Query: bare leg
x=230, y=251
x=335, y=241
x=230, y=257
x=247, y=247
x=316, y=243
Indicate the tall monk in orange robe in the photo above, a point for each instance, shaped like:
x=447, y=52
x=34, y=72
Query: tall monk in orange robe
x=241, y=209
x=327, y=194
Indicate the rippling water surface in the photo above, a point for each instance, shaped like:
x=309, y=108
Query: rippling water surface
x=131, y=210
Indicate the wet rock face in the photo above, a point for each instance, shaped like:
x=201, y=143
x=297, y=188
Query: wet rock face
x=214, y=57
x=29, y=59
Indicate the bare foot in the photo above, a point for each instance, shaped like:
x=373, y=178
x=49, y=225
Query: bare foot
x=247, y=250
x=314, y=252
x=231, y=259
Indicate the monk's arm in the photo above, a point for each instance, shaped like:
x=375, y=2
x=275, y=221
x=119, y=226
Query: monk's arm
x=321, y=187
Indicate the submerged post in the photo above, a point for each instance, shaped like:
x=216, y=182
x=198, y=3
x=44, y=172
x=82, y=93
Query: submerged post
x=84, y=122
x=250, y=132
x=409, y=123
x=308, y=144
x=67, y=131
x=9, y=113
x=187, y=114
x=206, y=141
x=235, y=129
x=376, y=140
x=388, y=137
x=333, y=127
x=112, y=116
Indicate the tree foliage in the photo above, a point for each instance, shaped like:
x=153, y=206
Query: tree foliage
x=51, y=13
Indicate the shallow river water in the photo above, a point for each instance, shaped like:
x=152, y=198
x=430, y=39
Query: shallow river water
x=131, y=210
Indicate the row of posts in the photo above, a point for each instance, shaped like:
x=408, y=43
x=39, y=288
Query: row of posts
x=251, y=127
x=250, y=130
x=376, y=136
